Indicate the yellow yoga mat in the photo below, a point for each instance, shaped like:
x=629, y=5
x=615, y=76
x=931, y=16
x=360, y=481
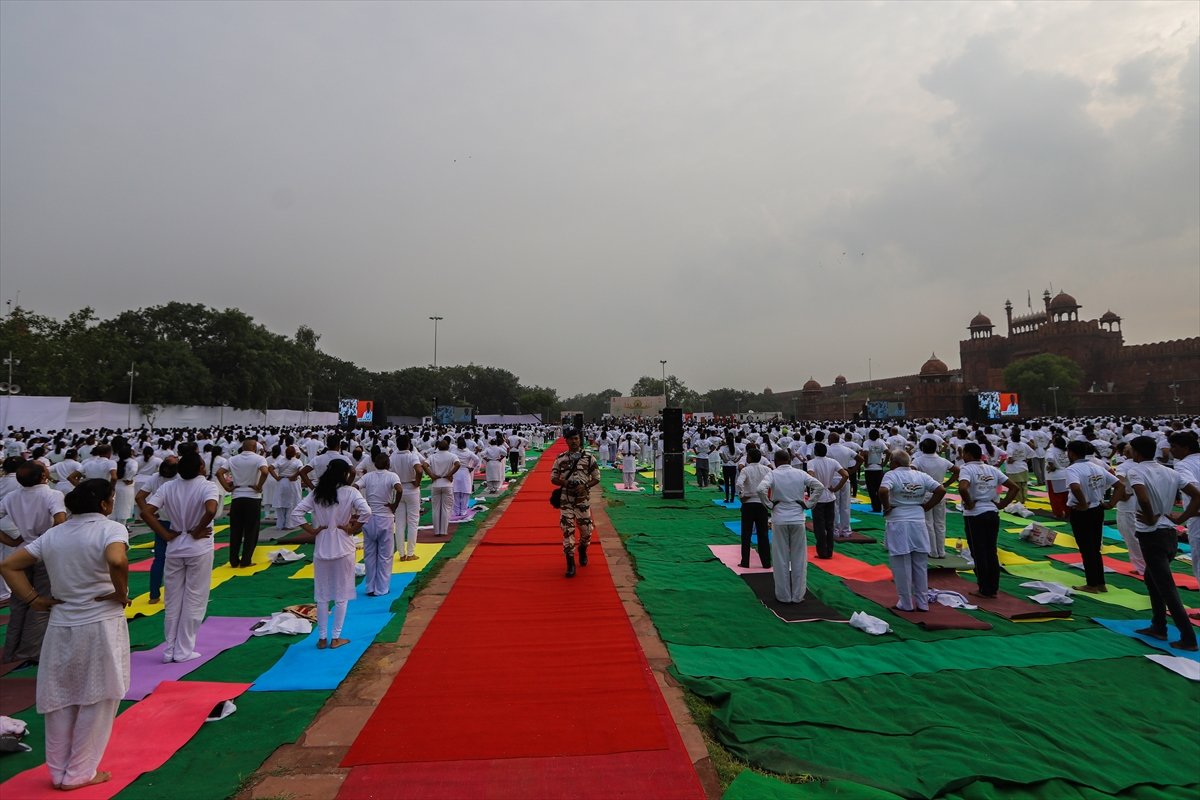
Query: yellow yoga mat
x=424, y=552
x=141, y=606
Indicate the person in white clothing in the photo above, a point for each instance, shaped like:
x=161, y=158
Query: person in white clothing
x=1087, y=482
x=407, y=465
x=628, y=451
x=126, y=474
x=33, y=509
x=441, y=466
x=833, y=476
x=84, y=670
x=493, y=459
x=1185, y=449
x=1156, y=487
x=786, y=487
x=978, y=484
x=936, y=467
x=338, y=511
x=464, y=478
x=286, y=471
x=1125, y=502
x=850, y=462
x=191, y=504
x=754, y=507
x=906, y=494
x=243, y=475
x=380, y=488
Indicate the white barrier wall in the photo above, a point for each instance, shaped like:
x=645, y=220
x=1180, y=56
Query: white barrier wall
x=56, y=413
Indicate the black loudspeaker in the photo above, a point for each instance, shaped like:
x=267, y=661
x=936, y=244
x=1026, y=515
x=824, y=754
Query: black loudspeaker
x=672, y=477
x=579, y=423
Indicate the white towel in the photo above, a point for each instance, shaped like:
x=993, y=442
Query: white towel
x=1053, y=592
x=872, y=625
x=284, y=622
x=282, y=556
x=946, y=597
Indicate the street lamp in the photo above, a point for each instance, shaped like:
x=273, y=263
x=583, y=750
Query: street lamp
x=11, y=362
x=1054, y=391
x=129, y=409
x=844, y=396
x=664, y=367
x=435, y=320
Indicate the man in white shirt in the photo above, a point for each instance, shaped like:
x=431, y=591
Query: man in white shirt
x=1156, y=487
x=906, y=494
x=34, y=508
x=833, y=476
x=850, y=462
x=407, y=465
x=754, y=507
x=786, y=487
x=1019, y=456
x=1087, y=482
x=243, y=475
x=1185, y=449
x=977, y=485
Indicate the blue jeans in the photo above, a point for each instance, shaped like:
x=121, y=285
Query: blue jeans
x=158, y=565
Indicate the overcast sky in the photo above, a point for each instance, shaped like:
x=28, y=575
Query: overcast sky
x=755, y=192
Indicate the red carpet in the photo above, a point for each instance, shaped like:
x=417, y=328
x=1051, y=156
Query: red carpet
x=525, y=684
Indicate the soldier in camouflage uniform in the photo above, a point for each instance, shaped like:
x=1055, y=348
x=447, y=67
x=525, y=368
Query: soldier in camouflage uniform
x=576, y=472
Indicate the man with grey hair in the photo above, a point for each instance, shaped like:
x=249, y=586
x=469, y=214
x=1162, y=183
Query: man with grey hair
x=906, y=494
x=785, y=486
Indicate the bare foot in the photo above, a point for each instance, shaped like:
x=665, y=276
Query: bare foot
x=322, y=644
x=100, y=777
x=336, y=643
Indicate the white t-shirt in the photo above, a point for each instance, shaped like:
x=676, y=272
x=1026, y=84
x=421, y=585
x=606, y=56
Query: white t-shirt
x=332, y=542
x=932, y=465
x=379, y=490
x=984, y=479
x=321, y=463
x=1092, y=479
x=98, y=468
x=1129, y=504
x=74, y=557
x=1018, y=455
x=243, y=470
x=440, y=463
x=32, y=509
x=825, y=469
x=786, y=487
x=1162, y=485
x=908, y=489
x=404, y=463
x=184, y=501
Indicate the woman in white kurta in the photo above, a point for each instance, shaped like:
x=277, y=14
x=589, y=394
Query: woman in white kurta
x=338, y=513
x=83, y=670
x=906, y=494
x=493, y=459
x=270, y=489
x=190, y=502
x=127, y=469
x=464, y=477
x=286, y=470
x=441, y=465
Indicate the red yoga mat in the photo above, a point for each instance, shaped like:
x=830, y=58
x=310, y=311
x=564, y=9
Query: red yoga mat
x=937, y=618
x=143, y=738
x=542, y=667
x=1182, y=580
x=846, y=567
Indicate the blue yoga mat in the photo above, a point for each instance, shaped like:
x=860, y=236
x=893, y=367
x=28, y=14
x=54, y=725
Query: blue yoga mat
x=723, y=504
x=303, y=667
x=1114, y=535
x=1126, y=627
x=865, y=508
x=736, y=529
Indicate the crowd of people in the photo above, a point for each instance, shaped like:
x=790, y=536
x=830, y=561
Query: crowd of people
x=67, y=503
x=1142, y=468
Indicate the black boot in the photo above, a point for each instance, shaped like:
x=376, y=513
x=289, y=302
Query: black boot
x=570, y=565
x=583, y=556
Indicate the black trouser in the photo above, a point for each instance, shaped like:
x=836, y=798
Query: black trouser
x=1158, y=548
x=982, y=531
x=853, y=481
x=702, y=472
x=513, y=460
x=754, y=520
x=244, y=513
x=26, y=625
x=1087, y=526
x=729, y=478
x=823, y=515
x=874, y=479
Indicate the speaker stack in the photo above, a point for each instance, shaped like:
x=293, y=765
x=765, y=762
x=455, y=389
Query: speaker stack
x=672, y=477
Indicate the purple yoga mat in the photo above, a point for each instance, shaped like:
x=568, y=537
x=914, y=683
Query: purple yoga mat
x=216, y=635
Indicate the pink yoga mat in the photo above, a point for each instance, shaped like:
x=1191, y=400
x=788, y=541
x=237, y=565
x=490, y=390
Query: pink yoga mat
x=620, y=487
x=731, y=555
x=144, y=564
x=143, y=738
x=216, y=635
x=1182, y=580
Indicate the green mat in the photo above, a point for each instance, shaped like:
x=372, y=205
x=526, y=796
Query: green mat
x=908, y=658
x=753, y=786
x=927, y=735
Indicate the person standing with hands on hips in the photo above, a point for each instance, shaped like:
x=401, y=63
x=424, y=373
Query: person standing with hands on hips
x=576, y=472
x=977, y=485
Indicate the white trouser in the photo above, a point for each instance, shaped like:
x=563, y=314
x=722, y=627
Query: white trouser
x=75, y=740
x=377, y=552
x=1127, y=527
x=188, y=581
x=339, y=617
x=442, y=500
x=789, y=561
x=841, y=516
x=408, y=516
x=281, y=517
x=629, y=479
x=911, y=573
x=935, y=526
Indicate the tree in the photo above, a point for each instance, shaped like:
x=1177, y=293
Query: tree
x=1032, y=378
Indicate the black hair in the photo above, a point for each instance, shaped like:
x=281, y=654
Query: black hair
x=190, y=464
x=1185, y=439
x=88, y=495
x=1080, y=448
x=972, y=449
x=336, y=475
x=928, y=446
x=123, y=457
x=29, y=473
x=820, y=449
x=10, y=464
x=380, y=460
x=1144, y=446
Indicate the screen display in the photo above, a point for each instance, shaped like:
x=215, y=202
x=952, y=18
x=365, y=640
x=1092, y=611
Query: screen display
x=347, y=411
x=1009, y=407
x=989, y=405
x=365, y=411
